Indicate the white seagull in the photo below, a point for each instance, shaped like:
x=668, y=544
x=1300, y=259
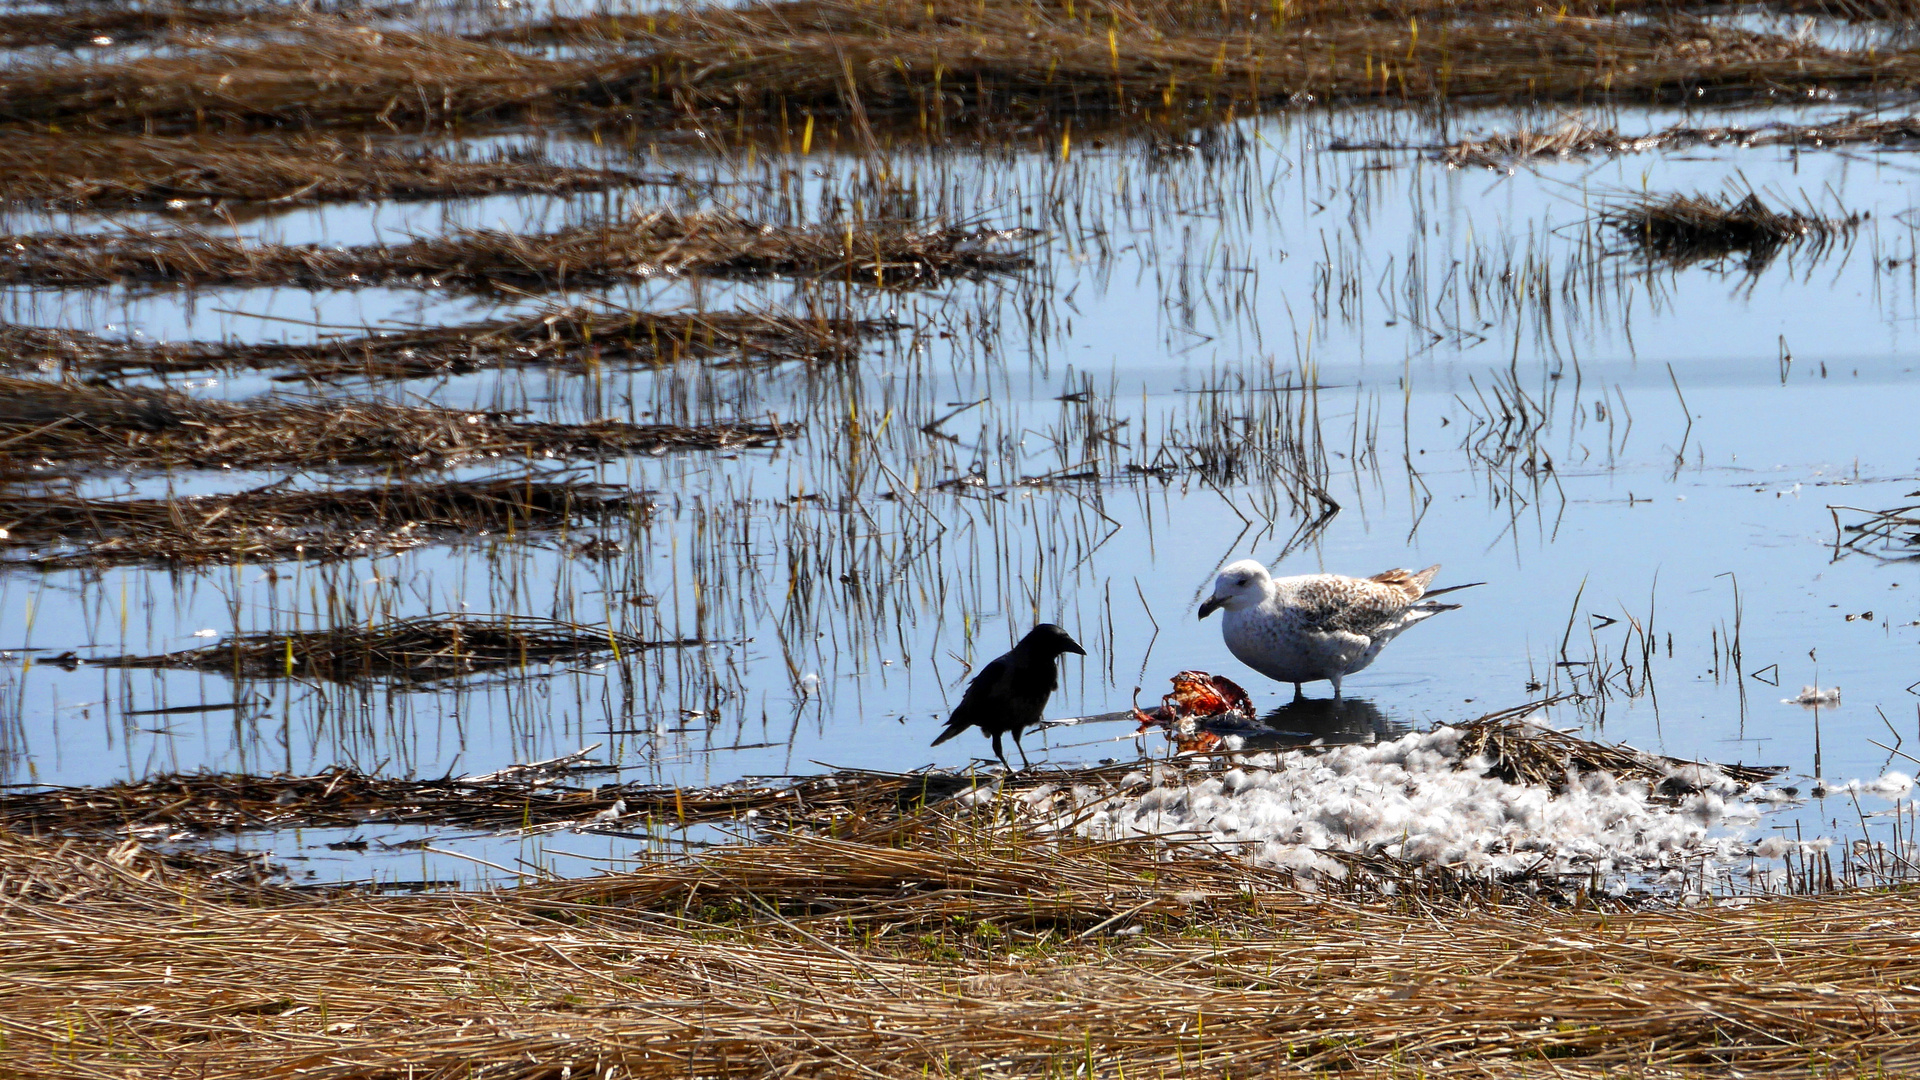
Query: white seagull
x=1317, y=626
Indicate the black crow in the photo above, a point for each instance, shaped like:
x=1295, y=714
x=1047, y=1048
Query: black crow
x=1009, y=693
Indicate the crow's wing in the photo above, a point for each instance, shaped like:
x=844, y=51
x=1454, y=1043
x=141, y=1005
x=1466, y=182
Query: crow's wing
x=987, y=695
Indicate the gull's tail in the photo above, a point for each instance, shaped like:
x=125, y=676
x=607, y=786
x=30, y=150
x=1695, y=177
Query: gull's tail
x=1430, y=593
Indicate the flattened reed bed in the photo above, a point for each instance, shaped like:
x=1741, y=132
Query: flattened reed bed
x=204, y=804
x=943, y=61
x=1683, y=230
x=201, y=173
x=662, y=243
x=571, y=337
x=952, y=953
x=61, y=531
x=51, y=428
x=853, y=800
x=1576, y=138
x=425, y=649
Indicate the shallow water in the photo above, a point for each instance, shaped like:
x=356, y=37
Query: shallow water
x=846, y=592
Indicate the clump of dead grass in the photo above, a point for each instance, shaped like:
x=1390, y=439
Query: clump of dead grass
x=657, y=244
x=60, y=531
x=1683, y=230
x=49, y=428
x=207, y=173
x=1522, y=752
x=570, y=337
x=425, y=649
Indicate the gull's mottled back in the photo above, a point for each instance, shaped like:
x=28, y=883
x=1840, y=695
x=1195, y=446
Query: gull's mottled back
x=1317, y=626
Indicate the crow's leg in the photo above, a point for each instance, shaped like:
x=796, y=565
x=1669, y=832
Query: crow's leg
x=1298, y=693
x=1002, y=754
x=1024, y=763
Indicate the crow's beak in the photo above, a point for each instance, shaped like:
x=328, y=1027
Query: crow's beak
x=1073, y=646
x=1213, y=604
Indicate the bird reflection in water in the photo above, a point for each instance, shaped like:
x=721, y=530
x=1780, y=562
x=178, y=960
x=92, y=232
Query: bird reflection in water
x=1328, y=721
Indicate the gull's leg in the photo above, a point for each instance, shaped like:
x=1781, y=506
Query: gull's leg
x=1336, y=686
x=1002, y=754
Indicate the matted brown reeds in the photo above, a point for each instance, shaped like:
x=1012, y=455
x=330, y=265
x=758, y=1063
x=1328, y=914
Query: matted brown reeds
x=49, y=428
x=521, y=797
x=568, y=337
x=60, y=530
x=945, y=61
x=849, y=801
x=423, y=649
x=1574, y=137
x=207, y=173
x=656, y=244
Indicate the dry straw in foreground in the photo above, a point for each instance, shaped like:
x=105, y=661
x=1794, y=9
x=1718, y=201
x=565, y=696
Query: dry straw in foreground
x=957, y=953
x=55, y=428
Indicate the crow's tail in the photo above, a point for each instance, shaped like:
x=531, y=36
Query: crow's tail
x=952, y=730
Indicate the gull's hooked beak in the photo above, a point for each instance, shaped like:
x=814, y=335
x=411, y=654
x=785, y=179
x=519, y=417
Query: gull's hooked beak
x=1212, y=604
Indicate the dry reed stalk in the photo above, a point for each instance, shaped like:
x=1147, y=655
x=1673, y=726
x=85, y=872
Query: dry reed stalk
x=114, y=966
x=656, y=244
x=1896, y=531
x=202, y=173
x=1576, y=138
x=58, y=531
x=564, y=337
x=56, y=428
x=1688, y=229
x=428, y=648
